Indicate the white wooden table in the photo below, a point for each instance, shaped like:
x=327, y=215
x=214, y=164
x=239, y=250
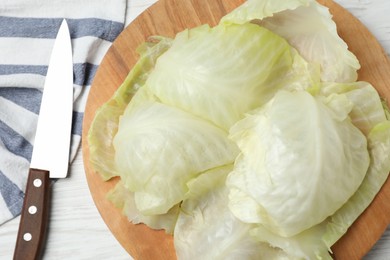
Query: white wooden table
x=76, y=228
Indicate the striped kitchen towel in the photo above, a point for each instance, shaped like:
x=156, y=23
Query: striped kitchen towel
x=27, y=32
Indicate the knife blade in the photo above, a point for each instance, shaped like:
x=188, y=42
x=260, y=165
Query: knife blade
x=50, y=158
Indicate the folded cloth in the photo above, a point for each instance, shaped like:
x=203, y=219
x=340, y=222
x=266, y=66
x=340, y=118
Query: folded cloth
x=27, y=32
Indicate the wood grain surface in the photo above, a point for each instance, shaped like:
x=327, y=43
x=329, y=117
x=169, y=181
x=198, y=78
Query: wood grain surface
x=167, y=17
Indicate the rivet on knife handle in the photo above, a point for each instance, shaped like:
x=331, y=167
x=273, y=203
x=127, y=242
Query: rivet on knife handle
x=34, y=218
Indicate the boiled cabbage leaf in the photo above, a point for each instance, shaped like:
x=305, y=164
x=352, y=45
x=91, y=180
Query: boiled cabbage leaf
x=206, y=229
x=259, y=9
x=106, y=120
x=123, y=198
x=378, y=171
x=308, y=27
x=367, y=111
x=222, y=72
x=305, y=245
x=159, y=148
x=301, y=160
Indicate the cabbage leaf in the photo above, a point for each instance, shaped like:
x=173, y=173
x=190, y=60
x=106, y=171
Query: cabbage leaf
x=378, y=171
x=123, y=198
x=301, y=160
x=206, y=229
x=106, y=120
x=308, y=27
x=243, y=65
x=367, y=111
x=158, y=146
x=305, y=245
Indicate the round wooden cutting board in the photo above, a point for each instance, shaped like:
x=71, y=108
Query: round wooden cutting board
x=167, y=17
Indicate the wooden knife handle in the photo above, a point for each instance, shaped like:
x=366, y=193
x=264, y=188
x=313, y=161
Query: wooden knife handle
x=33, y=222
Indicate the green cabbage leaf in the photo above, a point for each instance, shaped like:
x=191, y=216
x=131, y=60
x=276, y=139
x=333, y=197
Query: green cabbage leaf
x=242, y=65
x=313, y=34
x=302, y=151
x=206, y=229
x=159, y=148
x=105, y=123
x=123, y=198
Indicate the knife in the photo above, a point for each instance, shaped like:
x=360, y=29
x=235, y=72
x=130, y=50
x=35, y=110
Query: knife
x=50, y=158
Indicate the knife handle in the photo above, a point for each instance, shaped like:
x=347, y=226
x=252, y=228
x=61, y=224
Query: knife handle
x=34, y=218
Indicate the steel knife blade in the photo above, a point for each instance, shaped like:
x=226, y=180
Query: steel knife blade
x=50, y=158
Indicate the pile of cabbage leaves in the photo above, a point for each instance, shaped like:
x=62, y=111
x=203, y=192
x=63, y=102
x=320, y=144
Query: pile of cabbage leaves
x=252, y=139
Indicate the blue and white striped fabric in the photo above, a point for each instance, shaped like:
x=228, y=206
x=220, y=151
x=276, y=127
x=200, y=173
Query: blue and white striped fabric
x=27, y=32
